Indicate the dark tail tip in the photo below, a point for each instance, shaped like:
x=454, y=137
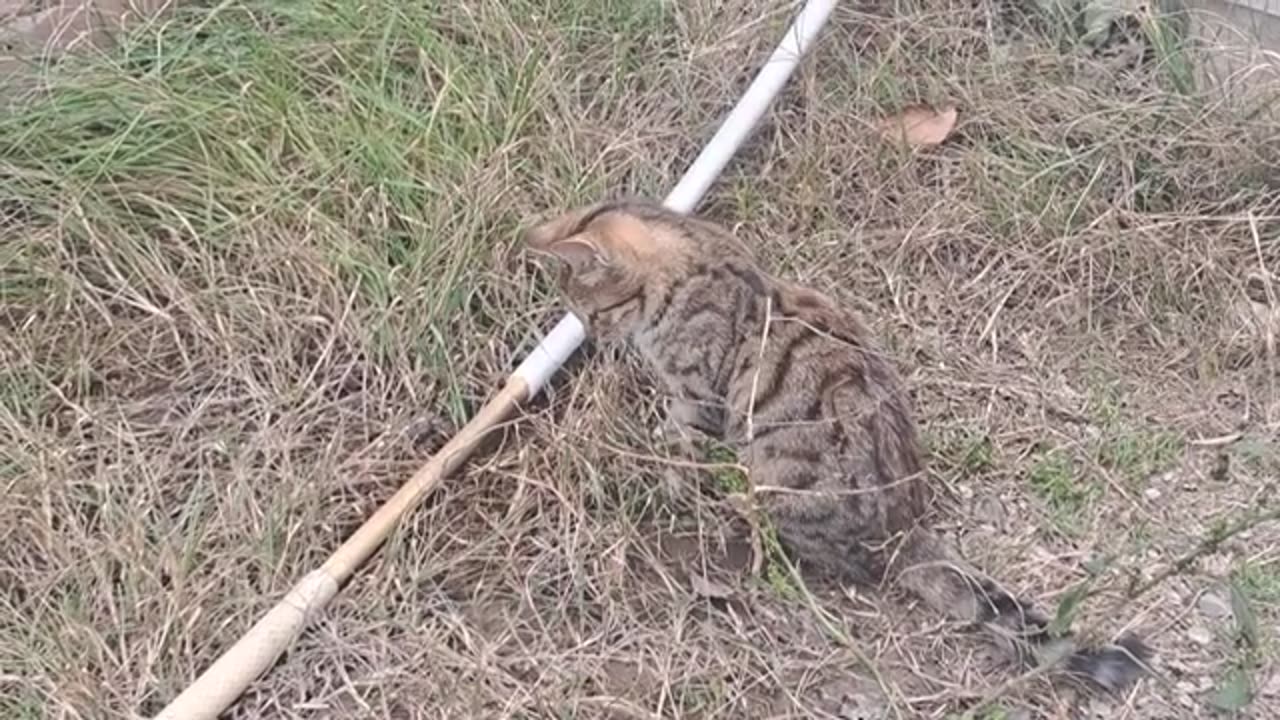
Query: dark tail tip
x=931, y=570
x=1112, y=667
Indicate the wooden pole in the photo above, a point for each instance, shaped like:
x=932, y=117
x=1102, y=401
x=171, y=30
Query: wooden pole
x=254, y=653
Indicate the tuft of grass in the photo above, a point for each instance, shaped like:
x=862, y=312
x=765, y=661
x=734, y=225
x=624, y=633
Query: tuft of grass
x=1135, y=450
x=1054, y=477
x=22, y=393
x=701, y=696
x=1260, y=582
x=969, y=452
x=28, y=707
x=350, y=131
x=777, y=567
x=1258, y=455
x=728, y=477
x=1236, y=688
x=730, y=480
x=1139, y=453
x=988, y=712
x=1110, y=28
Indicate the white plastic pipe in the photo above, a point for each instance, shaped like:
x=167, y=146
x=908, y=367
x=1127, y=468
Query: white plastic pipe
x=750, y=108
x=569, y=333
x=258, y=649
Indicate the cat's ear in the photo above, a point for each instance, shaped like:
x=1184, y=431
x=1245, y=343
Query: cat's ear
x=562, y=227
x=578, y=252
x=566, y=238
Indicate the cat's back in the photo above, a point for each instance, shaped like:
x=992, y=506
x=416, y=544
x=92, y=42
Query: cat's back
x=810, y=345
x=828, y=411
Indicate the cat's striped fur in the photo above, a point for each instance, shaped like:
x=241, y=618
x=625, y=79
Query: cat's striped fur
x=795, y=384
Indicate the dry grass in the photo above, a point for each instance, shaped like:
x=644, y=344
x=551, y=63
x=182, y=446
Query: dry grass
x=255, y=266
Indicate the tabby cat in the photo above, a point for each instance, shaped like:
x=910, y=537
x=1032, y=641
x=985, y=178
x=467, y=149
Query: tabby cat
x=793, y=382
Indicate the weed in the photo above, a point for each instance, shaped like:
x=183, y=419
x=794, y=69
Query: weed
x=1136, y=451
x=1139, y=453
x=1054, y=477
x=1259, y=456
x=1236, y=688
x=971, y=453
x=777, y=567
x=25, y=707
x=728, y=476
x=701, y=696
x=730, y=479
x=990, y=712
x=1260, y=582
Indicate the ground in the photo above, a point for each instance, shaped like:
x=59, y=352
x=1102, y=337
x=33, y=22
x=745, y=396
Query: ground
x=260, y=260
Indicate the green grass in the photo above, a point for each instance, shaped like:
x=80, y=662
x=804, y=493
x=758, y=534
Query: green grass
x=728, y=477
x=242, y=249
x=1258, y=454
x=968, y=452
x=1260, y=582
x=26, y=707
x=1139, y=453
x=1054, y=477
x=1053, y=182
x=988, y=711
x=1137, y=450
x=380, y=137
x=731, y=480
x=1098, y=25
x=1237, y=681
x=22, y=394
x=777, y=569
x=700, y=696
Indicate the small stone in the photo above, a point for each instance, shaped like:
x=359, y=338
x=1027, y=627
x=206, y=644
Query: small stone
x=1199, y=635
x=1152, y=493
x=988, y=510
x=1214, y=606
x=709, y=588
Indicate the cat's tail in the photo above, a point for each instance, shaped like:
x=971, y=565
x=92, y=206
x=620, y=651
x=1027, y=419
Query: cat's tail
x=930, y=569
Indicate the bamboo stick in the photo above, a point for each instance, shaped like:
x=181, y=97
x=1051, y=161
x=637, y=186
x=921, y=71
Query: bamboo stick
x=254, y=653
x=219, y=685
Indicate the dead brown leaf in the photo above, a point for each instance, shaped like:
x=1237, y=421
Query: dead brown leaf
x=920, y=125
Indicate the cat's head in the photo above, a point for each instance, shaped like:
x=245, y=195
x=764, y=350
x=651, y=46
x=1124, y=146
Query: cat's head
x=610, y=256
